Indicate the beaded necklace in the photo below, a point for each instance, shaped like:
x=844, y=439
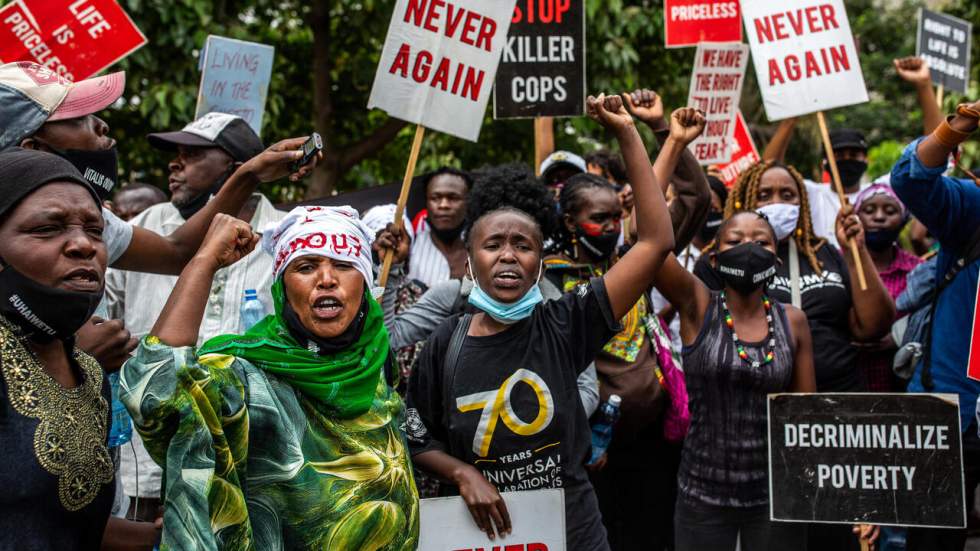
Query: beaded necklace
x=771, y=337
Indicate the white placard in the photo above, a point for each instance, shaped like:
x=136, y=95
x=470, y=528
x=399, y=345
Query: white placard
x=439, y=62
x=804, y=56
x=716, y=88
x=537, y=517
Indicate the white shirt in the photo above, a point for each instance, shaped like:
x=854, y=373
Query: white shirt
x=426, y=263
x=824, y=206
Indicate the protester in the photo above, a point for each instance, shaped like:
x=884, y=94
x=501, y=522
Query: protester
x=300, y=399
x=57, y=474
x=610, y=166
x=130, y=200
x=558, y=167
x=438, y=252
x=515, y=338
x=950, y=209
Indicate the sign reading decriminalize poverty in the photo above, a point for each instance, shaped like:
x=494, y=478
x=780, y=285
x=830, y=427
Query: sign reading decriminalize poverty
x=235, y=77
x=537, y=518
x=439, y=62
x=716, y=88
x=892, y=459
x=944, y=42
x=804, y=56
x=542, y=72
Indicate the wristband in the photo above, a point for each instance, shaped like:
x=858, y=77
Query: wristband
x=949, y=136
x=965, y=110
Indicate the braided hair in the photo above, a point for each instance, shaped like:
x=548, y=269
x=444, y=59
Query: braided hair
x=744, y=197
x=571, y=200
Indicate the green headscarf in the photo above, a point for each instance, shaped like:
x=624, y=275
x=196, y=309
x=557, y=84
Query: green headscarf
x=344, y=382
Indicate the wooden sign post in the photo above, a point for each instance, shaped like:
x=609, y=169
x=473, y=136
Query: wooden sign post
x=544, y=141
x=413, y=158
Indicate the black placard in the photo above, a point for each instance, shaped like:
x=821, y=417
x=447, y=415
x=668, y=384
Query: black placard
x=542, y=69
x=891, y=459
x=944, y=41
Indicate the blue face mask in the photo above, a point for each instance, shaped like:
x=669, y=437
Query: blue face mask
x=503, y=312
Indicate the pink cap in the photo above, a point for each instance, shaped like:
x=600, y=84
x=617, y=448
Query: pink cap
x=60, y=97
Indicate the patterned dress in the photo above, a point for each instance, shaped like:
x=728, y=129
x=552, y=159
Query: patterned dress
x=251, y=463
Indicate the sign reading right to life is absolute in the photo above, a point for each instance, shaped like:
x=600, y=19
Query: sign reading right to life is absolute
x=804, y=56
x=944, y=42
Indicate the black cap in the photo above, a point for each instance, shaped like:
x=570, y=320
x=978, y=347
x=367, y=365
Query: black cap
x=229, y=132
x=843, y=138
x=23, y=171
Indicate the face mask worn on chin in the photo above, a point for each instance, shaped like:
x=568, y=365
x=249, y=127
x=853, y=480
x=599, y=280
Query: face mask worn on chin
x=44, y=313
x=505, y=313
x=880, y=240
x=711, y=226
x=601, y=246
x=99, y=168
x=193, y=206
x=851, y=171
x=746, y=267
x=783, y=217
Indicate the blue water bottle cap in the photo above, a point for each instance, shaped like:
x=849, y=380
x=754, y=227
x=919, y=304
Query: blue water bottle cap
x=251, y=294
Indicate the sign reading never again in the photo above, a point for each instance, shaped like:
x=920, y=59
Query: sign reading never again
x=944, y=42
x=891, y=459
x=542, y=71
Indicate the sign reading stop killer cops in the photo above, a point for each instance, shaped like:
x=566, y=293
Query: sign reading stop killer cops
x=439, y=62
x=716, y=88
x=804, y=56
x=537, y=518
x=542, y=72
x=944, y=42
x=866, y=458
x=689, y=22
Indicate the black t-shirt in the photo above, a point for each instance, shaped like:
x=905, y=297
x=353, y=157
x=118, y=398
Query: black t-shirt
x=512, y=408
x=826, y=301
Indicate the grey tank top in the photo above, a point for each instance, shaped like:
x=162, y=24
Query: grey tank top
x=724, y=459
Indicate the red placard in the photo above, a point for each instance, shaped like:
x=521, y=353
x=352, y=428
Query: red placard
x=687, y=22
x=74, y=38
x=973, y=363
x=744, y=153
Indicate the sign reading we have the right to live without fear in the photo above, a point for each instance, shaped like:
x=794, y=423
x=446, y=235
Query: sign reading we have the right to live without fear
x=892, y=459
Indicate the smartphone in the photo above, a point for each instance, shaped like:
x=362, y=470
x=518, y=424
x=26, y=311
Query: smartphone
x=311, y=147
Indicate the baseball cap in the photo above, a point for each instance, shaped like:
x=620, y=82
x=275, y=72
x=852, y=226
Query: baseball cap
x=32, y=94
x=562, y=158
x=229, y=132
x=22, y=171
x=847, y=137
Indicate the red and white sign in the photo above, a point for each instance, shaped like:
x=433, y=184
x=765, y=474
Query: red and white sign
x=74, y=38
x=440, y=60
x=973, y=363
x=690, y=22
x=804, y=56
x=744, y=153
x=716, y=88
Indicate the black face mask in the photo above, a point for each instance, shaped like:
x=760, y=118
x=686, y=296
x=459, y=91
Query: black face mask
x=711, y=226
x=746, y=267
x=193, y=206
x=447, y=236
x=881, y=240
x=44, y=313
x=99, y=168
x=851, y=172
x=601, y=247
x=318, y=344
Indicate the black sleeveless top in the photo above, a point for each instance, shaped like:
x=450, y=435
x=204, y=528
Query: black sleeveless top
x=724, y=461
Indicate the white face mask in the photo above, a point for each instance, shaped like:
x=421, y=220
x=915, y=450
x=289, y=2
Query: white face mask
x=783, y=217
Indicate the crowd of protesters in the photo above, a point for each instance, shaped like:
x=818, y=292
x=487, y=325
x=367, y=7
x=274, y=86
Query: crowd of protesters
x=516, y=304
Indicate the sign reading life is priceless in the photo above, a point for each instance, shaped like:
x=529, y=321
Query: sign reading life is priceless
x=542, y=72
x=890, y=459
x=439, y=62
x=75, y=39
x=804, y=56
x=537, y=517
x=235, y=79
x=716, y=87
x=944, y=42
x=689, y=22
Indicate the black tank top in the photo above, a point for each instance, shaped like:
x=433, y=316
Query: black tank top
x=724, y=459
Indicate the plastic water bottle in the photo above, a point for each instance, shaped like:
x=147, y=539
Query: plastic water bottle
x=252, y=310
x=121, y=430
x=602, y=428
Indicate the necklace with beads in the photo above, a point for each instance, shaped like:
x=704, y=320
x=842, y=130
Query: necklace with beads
x=770, y=338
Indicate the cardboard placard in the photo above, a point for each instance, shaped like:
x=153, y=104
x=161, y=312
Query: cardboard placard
x=75, y=39
x=744, y=153
x=891, y=459
x=716, y=88
x=235, y=77
x=804, y=56
x=690, y=22
x=439, y=62
x=542, y=71
x=537, y=517
x=944, y=41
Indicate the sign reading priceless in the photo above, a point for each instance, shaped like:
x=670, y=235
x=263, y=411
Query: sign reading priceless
x=944, y=42
x=235, y=79
x=690, y=22
x=542, y=72
x=716, y=88
x=892, y=459
x=804, y=56
x=744, y=153
x=75, y=39
x=537, y=516
x=439, y=62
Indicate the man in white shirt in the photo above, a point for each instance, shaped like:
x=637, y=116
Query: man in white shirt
x=438, y=253
x=851, y=152
x=206, y=152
